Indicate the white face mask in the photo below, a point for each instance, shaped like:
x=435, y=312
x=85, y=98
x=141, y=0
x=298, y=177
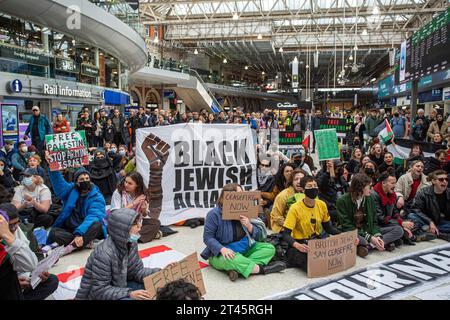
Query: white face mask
x=2, y=167
x=24, y=149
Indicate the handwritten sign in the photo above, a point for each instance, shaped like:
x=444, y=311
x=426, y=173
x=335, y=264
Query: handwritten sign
x=244, y=203
x=333, y=254
x=187, y=269
x=67, y=150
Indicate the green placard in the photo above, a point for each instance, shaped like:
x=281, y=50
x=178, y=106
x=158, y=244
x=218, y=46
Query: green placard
x=327, y=144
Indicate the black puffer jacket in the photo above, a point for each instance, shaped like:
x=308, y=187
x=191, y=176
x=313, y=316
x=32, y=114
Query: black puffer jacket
x=331, y=188
x=114, y=262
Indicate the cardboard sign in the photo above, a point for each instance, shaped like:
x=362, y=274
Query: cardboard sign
x=287, y=138
x=327, y=144
x=67, y=150
x=244, y=203
x=333, y=254
x=187, y=269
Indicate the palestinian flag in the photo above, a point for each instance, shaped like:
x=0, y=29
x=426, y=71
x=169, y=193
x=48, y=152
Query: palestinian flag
x=402, y=148
x=386, y=134
x=305, y=142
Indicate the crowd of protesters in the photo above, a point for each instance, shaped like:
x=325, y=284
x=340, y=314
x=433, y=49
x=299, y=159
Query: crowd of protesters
x=391, y=203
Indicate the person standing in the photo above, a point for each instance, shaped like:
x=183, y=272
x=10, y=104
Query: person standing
x=38, y=127
x=118, y=123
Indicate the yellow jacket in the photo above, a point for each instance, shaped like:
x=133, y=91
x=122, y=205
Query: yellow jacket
x=279, y=211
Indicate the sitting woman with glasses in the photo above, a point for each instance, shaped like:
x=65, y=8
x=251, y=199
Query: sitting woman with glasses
x=306, y=220
x=431, y=206
x=114, y=270
x=237, y=246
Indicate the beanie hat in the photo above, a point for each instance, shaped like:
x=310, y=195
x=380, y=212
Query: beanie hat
x=80, y=172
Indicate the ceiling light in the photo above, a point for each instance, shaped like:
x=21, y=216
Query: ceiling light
x=351, y=57
x=101, y=53
x=246, y=67
x=307, y=66
x=281, y=49
x=288, y=80
x=276, y=77
x=364, y=32
x=259, y=36
x=86, y=48
x=112, y=58
x=195, y=51
x=225, y=60
x=73, y=41
x=355, y=47
x=235, y=16
x=263, y=73
x=373, y=80
x=295, y=59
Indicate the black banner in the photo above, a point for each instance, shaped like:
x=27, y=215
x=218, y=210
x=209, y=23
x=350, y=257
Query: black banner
x=89, y=70
x=341, y=125
x=288, y=138
x=29, y=57
x=67, y=65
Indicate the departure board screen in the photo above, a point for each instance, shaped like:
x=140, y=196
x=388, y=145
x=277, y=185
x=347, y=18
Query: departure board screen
x=428, y=50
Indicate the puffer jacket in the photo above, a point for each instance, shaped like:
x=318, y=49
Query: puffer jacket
x=114, y=262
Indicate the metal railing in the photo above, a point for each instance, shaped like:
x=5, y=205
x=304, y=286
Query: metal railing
x=215, y=107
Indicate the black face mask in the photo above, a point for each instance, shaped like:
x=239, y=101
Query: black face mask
x=312, y=193
x=84, y=186
x=298, y=162
x=369, y=171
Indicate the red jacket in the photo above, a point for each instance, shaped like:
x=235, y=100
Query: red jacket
x=61, y=127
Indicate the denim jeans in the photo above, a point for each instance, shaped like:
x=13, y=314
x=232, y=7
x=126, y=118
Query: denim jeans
x=443, y=226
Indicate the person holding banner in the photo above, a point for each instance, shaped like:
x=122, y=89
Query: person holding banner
x=305, y=220
x=236, y=246
x=356, y=210
x=114, y=270
x=84, y=210
x=280, y=205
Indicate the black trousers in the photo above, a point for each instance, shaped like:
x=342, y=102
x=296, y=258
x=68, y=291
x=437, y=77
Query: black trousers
x=297, y=259
x=43, y=290
x=9, y=283
x=64, y=237
x=38, y=219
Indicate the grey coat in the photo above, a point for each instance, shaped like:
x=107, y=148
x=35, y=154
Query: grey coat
x=114, y=262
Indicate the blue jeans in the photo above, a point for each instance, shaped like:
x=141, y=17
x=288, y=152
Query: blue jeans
x=134, y=286
x=443, y=226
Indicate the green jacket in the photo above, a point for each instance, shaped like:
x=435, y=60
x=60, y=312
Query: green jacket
x=371, y=124
x=346, y=209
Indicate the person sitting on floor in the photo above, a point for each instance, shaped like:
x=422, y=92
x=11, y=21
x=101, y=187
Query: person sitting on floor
x=387, y=206
x=236, y=246
x=114, y=270
x=6, y=178
x=304, y=222
x=34, y=162
x=25, y=262
x=389, y=163
x=131, y=194
x=33, y=199
x=84, y=210
x=103, y=175
x=280, y=206
x=19, y=159
x=431, y=206
x=412, y=182
x=356, y=210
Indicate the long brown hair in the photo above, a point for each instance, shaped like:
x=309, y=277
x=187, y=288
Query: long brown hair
x=137, y=178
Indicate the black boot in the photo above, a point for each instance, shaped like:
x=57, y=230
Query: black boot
x=444, y=236
x=274, y=266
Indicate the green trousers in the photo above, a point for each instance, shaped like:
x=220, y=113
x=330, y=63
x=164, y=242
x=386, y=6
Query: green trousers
x=261, y=253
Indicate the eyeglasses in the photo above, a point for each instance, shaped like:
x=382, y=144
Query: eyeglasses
x=443, y=179
x=265, y=165
x=35, y=110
